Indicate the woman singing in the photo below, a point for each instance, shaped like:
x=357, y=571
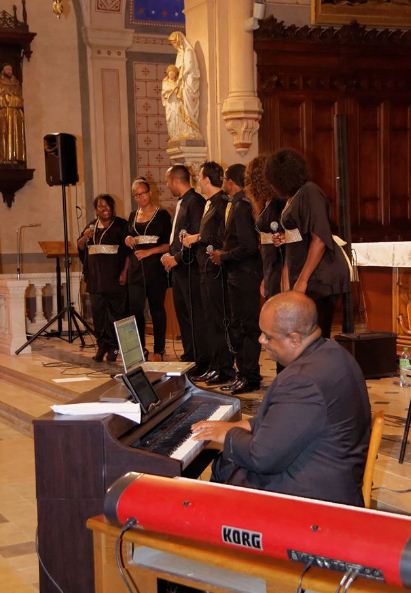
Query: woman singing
x=267, y=210
x=314, y=263
x=105, y=259
x=149, y=229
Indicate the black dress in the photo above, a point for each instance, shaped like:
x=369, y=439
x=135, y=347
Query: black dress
x=147, y=277
x=308, y=212
x=272, y=256
x=103, y=260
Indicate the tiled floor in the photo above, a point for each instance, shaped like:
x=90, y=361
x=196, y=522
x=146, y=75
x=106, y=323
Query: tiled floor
x=18, y=563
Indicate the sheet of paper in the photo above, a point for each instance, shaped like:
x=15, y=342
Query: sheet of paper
x=71, y=379
x=127, y=409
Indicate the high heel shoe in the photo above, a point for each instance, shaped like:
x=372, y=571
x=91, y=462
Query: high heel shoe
x=99, y=355
x=112, y=355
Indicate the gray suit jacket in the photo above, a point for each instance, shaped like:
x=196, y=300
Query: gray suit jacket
x=310, y=436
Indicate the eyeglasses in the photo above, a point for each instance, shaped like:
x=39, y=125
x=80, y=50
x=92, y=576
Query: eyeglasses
x=142, y=193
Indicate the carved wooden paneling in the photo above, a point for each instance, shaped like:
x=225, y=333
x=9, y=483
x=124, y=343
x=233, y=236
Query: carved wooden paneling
x=306, y=76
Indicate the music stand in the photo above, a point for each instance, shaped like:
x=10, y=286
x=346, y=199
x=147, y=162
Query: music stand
x=72, y=316
x=56, y=249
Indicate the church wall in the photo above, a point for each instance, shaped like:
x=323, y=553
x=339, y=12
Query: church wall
x=70, y=85
x=147, y=122
x=52, y=96
x=292, y=13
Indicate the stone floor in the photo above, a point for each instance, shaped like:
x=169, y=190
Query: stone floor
x=30, y=383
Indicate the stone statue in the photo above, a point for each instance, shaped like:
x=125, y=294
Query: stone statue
x=12, y=142
x=181, y=92
x=172, y=102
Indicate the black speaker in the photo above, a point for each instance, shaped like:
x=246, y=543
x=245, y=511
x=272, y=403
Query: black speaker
x=375, y=352
x=61, y=159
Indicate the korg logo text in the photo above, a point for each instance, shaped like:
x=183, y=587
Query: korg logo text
x=242, y=537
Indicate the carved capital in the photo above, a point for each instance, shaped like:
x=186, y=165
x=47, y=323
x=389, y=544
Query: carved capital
x=108, y=43
x=242, y=119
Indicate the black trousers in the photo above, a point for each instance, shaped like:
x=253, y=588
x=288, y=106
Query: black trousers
x=190, y=313
x=155, y=292
x=216, y=309
x=325, y=310
x=244, y=297
x=106, y=308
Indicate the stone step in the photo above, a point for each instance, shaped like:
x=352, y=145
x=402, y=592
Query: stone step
x=20, y=405
x=31, y=382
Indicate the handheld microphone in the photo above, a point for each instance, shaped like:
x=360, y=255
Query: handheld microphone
x=274, y=227
x=209, y=249
x=182, y=234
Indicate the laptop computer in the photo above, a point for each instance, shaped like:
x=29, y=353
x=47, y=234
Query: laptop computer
x=132, y=353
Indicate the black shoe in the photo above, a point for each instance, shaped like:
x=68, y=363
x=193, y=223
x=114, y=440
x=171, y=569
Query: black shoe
x=99, y=355
x=217, y=378
x=112, y=355
x=231, y=385
x=185, y=358
x=244, y=386
x=201, y=377
x=197, y=371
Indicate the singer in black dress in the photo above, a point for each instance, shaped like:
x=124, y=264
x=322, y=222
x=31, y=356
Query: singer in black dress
x=148, y=236
x=105, y=259
x=315, y=264
x=267, y=210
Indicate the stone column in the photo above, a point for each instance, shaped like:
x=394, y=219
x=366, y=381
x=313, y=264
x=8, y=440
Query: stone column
x=39, y=319
x=242, y=108
x=228, y=102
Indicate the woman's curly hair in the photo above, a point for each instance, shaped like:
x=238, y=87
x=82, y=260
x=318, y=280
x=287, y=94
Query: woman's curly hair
x=257, y=188
x=286, y=170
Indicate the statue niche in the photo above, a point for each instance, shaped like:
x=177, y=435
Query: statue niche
x=15, y=40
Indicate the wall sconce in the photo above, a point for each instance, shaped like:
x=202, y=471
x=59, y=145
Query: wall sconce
x=58, y=8
x=252, y=23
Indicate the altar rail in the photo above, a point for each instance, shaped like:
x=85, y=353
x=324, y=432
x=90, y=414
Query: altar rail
x=27, y=304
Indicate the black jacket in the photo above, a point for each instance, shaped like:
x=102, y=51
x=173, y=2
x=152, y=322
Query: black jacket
x=241, y=242
x=188, y=219
x=310, y=436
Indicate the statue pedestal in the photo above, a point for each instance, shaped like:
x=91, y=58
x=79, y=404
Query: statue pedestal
x=191, y=153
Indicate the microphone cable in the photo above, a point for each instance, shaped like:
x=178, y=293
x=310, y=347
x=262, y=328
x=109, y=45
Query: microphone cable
x=226, y=319
x=188, y=263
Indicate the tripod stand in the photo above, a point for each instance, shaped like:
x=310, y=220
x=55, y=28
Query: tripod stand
x=72, y=316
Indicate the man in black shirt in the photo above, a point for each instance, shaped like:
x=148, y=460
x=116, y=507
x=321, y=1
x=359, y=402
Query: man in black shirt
x=311, y=432
x=241, y=259
x=183, y=262
x=212, y=279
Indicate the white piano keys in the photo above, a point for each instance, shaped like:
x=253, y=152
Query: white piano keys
x=189, y=449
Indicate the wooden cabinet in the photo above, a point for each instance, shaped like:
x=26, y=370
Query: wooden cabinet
x=308, y=75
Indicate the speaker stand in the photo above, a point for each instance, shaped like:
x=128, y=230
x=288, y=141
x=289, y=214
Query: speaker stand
x=72, y=316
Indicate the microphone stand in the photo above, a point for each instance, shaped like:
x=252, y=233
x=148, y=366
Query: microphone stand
x=20, y=228
x=72, y=316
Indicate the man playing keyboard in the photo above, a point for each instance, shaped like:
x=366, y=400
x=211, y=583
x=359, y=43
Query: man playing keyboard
x=310, y=436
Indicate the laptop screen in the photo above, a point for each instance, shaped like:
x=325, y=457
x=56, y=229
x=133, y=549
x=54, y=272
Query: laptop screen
x=129, y=343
